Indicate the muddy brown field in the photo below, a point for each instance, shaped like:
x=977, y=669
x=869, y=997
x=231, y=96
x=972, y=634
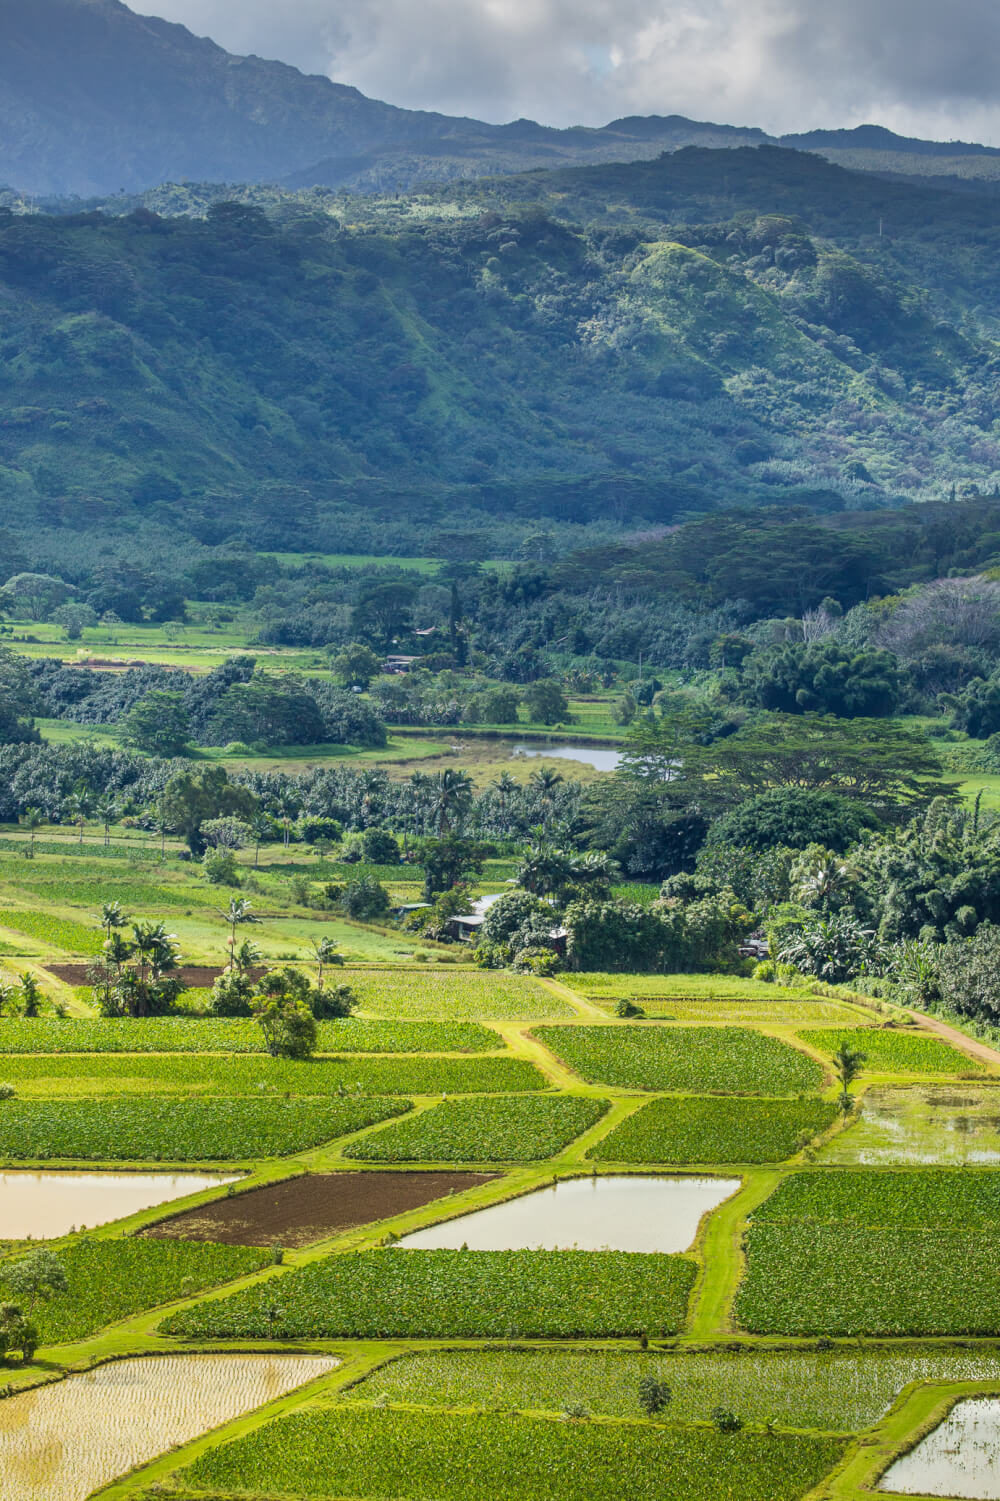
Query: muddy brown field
x=312, y=1207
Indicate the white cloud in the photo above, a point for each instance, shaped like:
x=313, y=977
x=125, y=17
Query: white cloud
x=781, y=64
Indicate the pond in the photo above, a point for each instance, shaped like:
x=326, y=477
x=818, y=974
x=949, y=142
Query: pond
x=64, y=1441
x=942, y=1125
x=627, y=1213
x=961, y=1458
x=43, y=1206
x=600, y=757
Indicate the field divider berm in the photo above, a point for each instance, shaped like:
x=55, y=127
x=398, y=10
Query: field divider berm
x=522, y=1043
x=721, y=1258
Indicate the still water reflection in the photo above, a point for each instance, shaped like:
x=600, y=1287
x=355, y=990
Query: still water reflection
x=591, y=1214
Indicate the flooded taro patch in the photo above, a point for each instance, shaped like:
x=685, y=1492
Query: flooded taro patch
x=64, y=1441
x=44, y=1206
x=959, y=1459
x=946, y=1126
x=626, y=1213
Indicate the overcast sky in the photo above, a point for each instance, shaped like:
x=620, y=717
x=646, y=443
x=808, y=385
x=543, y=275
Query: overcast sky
x=917, y=66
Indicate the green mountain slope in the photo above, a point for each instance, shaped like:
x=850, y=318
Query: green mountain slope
x=615, y=344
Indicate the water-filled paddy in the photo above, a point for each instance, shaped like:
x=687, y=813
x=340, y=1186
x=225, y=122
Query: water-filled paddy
x=62, y=1442
x=960, y=1459
x=600, y=757
x=943, y=1125
x=626, y=1213
x=44, y=1206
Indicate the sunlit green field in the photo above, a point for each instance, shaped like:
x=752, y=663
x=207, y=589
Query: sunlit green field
x=780, y=1374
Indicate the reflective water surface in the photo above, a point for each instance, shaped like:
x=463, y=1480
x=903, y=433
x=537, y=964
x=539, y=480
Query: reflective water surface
x=63, y=1442
x=601, y=757
x=961, y=1458
x=47, y=1205
x=944, y=1124
x=589, y=1214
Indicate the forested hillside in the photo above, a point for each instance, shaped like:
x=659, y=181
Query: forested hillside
x=616, y=345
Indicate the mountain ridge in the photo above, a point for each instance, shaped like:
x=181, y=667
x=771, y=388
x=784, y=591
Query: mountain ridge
x=95, y=98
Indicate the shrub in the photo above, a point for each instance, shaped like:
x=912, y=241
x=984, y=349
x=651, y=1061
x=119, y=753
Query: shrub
x=379, y=847
x=364, y=899
x=220, y=868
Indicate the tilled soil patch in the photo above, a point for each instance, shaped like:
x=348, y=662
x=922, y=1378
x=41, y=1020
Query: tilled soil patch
x=301, y=1210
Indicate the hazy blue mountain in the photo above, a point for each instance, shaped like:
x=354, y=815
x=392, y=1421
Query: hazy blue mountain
x=95, y=99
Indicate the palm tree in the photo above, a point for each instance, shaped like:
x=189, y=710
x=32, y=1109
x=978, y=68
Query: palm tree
x=76, y=809
x=260, y=826
x=31, y=819
x=847, y=1065
x=156, y=949
x=545, y=871
x=326, y=953
x=31, y=994
x=505, y=788
x=819, y=880
x=107, y=973
x=246, y=957
x=452, y=791
x=113, y=915
x=544, y=782
x=239, y=913
x=107, y=811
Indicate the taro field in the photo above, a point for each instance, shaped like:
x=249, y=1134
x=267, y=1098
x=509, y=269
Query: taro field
x=794, y=1318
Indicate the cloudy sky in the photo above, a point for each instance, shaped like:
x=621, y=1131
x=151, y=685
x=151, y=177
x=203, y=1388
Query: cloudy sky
x=916, y=66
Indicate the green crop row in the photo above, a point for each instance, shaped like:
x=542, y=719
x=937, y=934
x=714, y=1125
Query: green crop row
x=718, y=987
x=833, y=1390
x=889, y=1051
x=454, y=1294
x=715, y=1130
x=214, y=1035
x=241, y=1073
x=479, y=1457
x=927, y=1198
x=694, y=1060
x=59, y=932
x=808, y=1278
x=506, y=1129
x=179, y=1130
x=458, y=995
x=89, y=850
x=109, y=1280
x=93, y=891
